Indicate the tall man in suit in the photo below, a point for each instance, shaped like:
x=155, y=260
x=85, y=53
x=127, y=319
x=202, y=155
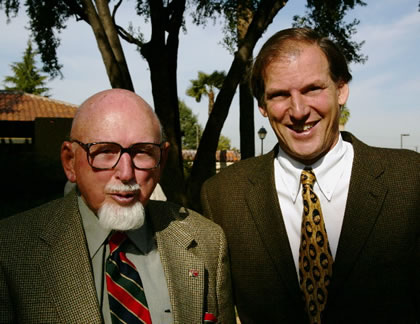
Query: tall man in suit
x=345, y=249
x=54, y=259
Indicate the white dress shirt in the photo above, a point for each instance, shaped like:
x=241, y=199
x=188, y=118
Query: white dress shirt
x=333, y=173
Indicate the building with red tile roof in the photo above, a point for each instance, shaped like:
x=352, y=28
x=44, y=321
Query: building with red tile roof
x=40, y=122
x=20, y=106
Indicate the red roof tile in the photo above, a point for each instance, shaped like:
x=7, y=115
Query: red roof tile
x=20, y=106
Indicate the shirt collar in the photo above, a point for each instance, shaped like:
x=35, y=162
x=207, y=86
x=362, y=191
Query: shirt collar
x=328, y=170
x=96, y=236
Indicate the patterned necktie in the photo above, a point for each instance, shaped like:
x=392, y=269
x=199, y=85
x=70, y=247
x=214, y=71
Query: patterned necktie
x=127, y=301
x=315, y=259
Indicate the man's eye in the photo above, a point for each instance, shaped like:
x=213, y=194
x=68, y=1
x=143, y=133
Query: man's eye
x=278, y=95
x=104, y=149
x=313, y=90
x=143, y=150
x=140, y=152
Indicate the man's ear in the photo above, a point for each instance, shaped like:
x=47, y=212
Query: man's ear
x=343, y=93
x=263, y=111
x=164, y=157
x=68, y=160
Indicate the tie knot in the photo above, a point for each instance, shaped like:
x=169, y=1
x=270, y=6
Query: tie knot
x=308, y=177
x=116, y=240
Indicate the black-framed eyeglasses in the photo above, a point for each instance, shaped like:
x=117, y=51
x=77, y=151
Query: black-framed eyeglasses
x=106, y=155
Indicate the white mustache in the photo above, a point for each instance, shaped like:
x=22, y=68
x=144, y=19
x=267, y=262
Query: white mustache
x=121, y=187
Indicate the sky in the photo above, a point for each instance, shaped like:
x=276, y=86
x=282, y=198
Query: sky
x=384, y=91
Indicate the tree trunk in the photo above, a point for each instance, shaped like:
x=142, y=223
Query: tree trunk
x=114, y=41
x=246, y=120
x=246, y=100
x=211, y=100
x=161, y=54
x=119, y=78
x=204, y=163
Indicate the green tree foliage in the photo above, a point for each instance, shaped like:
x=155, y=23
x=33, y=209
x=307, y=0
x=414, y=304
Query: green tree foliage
x=344, y=115
x=205, y=85
x=224, y=143
x=191, y=129
x=327, y=17
x=27, y=77
x=238, y=15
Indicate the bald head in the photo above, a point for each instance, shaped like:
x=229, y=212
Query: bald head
x=121, y=117
x=110, y=108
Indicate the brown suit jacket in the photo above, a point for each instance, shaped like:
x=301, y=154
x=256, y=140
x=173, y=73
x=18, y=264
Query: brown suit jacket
x=46, y=276
x=376, y=271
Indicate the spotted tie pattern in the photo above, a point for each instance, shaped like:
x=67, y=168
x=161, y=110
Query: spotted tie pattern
x=315, y=259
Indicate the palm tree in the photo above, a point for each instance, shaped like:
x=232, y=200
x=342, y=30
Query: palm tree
x=205, y=85
x=344, y=116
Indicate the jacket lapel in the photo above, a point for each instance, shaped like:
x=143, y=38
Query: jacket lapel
x=365, y=198
x=184, y=272
x=265, y=210
x=66, y=270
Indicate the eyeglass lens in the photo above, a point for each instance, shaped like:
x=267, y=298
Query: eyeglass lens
x=107, y=155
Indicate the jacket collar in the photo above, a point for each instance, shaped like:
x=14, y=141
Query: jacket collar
x=184, y=269
x=366, y=195
x=264, y=208
x=66, y=271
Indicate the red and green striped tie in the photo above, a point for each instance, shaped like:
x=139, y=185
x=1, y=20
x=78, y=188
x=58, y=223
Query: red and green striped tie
x=127, y=301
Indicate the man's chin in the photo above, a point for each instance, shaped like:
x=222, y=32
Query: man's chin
x=113, y=216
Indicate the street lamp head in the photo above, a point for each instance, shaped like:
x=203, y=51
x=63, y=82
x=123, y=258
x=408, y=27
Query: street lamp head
x=262, y=133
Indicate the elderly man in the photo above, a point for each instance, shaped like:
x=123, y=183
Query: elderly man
x=323, y=229
x=104, y=252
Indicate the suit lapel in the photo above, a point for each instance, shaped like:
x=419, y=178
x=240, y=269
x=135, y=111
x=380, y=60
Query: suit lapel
x=66, y=270
x=265, y=210
x=365, y=198
x=184, y=272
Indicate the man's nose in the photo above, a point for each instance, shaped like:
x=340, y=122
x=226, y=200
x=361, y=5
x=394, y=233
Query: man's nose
x=298, y=108
x=125, y=169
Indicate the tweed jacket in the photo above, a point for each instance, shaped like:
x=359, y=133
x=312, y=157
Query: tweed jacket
x=376, y=271
x=46, y=275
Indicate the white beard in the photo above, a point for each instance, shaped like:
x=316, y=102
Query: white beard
x=115, y=217
x=122, y=218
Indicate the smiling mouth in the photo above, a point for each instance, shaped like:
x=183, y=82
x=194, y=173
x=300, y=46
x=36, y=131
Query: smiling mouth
x=302, y=127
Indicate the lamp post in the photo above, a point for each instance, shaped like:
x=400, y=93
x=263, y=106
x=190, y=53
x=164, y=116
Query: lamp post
x=261, y=133
x=402, y=135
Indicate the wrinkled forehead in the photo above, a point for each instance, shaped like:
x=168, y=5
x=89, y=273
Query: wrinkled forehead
x=289, y=51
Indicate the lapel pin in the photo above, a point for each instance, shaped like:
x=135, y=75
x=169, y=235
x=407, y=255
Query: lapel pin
x=193, y=273
x=209, y=318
